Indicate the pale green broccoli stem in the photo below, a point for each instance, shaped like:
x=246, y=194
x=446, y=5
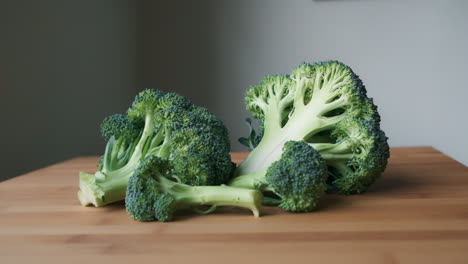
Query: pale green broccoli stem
x=299, y=94
x=99, y=193
x=106, y=162
x=277, y=103
x=153, y=146
x=270, y=147
x=132, y=163
x=213, y=195
x=254, y=180
x=330, y=151
x=159, y=145
x=120, y=151
x=164, y=149
x=105, y=188
x=340, y=165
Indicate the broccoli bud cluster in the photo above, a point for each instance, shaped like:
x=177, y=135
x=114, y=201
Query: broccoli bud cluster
x=326, y=105
x=318, y=132
x=165, y=125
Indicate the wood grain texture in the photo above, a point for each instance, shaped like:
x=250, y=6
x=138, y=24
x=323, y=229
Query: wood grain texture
x=416, y=213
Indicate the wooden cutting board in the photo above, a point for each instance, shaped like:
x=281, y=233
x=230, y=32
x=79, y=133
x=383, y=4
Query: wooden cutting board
x=416, y=213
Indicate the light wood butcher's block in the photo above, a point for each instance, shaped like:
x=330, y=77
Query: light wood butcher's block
x=417, y=212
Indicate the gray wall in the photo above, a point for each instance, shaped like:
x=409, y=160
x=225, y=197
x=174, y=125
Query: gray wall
x=412, y=56
x=60, y=60
x=59, y=63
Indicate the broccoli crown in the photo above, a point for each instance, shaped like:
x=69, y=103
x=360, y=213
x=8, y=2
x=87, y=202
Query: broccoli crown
x=198, y=145
x=194, y=139
x=119, y=126
x=324, y=104
x=145, y=102
x=169, y=126
x=175, y=100
x=151, y=195
x=367, y=157
x=299, y=177
x=145, y=193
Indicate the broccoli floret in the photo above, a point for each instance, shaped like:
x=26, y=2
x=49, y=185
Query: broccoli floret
x=121, y=135
x=298, y=178
x=326, y=105
x=199, y=146
x=166, y=125
x=152, y=195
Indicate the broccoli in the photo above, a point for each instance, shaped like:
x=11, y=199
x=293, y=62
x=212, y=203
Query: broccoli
x=324, y=104
x=298, y=178
x=166, y=125
x=152, y=195
x=122, y=135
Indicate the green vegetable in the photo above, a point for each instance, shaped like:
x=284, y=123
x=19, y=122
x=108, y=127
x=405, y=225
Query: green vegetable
x=324, y=104
x=165, y=125
x=298, y=178
x=151, y=195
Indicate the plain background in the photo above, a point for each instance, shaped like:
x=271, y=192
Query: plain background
x=65, y=65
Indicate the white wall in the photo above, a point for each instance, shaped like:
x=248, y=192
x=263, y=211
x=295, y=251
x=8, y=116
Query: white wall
x=411, y=55
x=60, y=60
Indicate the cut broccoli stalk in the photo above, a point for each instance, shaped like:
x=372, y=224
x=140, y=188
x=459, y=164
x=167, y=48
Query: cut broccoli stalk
x=98, y=193
x=184, y=195
x=152, y=196
x=109, y=186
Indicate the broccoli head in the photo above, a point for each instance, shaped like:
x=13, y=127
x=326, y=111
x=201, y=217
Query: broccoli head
x=153, y=195
x=160, y=124
x=298, y=178
x=326, y=105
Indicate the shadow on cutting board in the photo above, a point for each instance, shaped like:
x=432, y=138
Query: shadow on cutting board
x=395, y=180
